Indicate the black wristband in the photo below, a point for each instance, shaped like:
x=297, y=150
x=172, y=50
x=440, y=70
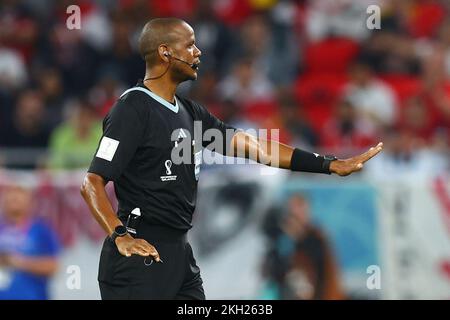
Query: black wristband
x=310, y=162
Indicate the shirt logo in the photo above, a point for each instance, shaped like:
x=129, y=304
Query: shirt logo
x=181, y=134
x=169, y=176
x=107, y=148
x=168, y=164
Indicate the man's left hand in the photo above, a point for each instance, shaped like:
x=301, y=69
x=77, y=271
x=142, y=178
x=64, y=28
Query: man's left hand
x=347, y=166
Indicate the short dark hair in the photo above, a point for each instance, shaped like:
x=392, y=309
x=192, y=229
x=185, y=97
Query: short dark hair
x=156, y=32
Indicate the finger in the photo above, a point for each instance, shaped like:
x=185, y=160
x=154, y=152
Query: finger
x=143, y=250
x=372, y=152
x=144, y=243
x=152, y=250
x=144, y=246
x=148, y=247
x=155, y=256
x=140, y=251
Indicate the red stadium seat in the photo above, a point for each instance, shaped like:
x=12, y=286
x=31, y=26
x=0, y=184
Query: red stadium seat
x=319, y=115
x=426, y=17
x=330, y=55
x=319, y=88
x=257, y=111
x=404, y=86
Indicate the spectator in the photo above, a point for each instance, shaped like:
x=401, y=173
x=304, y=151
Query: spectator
x=436, y=92
x=373, y=100
x=105, y=92
x=13, y=73
x=73, y=143
x=213, y=37
x=272, y=47
x=19, y=30
x=416, y=120
x=346, y=130
x=75, y=59
x=246, y=84
x=49, y=81
x=390, y=53
x=409, y=156
x=26, y=134
x=337, y=18
x=301, y=264
x=444, y=37
x=28, y=249
x=294, y=121
x=122, y=59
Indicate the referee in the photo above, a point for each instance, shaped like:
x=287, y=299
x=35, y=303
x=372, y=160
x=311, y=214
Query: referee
x=146, y=254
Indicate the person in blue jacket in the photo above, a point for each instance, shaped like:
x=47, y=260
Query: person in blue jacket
x=28, y=248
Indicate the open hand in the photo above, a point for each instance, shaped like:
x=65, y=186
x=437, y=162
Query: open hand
x=347, y=166
x=128, y=245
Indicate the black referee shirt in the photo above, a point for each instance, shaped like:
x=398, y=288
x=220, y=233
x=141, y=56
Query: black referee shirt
x=139, y=135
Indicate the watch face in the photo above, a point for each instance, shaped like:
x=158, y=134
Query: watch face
x=120, y=230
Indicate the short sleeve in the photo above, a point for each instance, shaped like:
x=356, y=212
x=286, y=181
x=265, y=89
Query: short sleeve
x=123, y=131
x=209, y=121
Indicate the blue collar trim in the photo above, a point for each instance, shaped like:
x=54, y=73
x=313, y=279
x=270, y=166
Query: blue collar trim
x=165, y=103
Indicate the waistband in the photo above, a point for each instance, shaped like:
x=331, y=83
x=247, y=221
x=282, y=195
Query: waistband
x=152, y=232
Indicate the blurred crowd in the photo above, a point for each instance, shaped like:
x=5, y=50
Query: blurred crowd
x=313, y=69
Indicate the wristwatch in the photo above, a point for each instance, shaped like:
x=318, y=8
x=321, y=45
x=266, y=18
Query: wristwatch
x=327, y=161
x=119, y=231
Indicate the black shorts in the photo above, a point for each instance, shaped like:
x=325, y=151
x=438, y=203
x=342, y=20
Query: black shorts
x=137, y=277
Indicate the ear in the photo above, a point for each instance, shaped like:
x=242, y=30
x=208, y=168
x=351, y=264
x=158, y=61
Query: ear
x=164, y=53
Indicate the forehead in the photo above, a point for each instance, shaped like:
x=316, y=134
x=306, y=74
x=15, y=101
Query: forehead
x=184, y=32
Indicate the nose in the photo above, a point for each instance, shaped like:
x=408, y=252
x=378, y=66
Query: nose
x=198, y=52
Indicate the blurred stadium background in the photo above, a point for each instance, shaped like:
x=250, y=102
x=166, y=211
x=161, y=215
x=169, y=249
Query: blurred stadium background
x=310, y=68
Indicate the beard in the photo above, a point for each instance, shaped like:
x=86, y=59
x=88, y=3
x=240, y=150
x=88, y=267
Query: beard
x=181, y=73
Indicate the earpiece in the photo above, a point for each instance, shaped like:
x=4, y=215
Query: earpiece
x=166, y=54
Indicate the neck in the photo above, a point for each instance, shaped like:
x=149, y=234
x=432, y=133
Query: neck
x=164, y=87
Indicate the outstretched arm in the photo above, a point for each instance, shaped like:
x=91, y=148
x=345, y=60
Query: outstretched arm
x=279, y=155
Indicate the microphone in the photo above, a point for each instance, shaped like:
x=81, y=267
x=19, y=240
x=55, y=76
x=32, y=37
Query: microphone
x=192, y=65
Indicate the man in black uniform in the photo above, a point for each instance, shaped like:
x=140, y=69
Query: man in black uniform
x=146, y=254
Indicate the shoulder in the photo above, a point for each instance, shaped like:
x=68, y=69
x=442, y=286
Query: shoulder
x=133, y=95
x=132, y=102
